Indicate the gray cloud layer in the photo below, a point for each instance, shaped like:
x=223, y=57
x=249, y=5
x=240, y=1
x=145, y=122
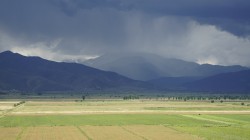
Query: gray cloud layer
x=203, y=31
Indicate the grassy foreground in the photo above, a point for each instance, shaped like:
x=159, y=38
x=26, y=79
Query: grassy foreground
x=23, y=123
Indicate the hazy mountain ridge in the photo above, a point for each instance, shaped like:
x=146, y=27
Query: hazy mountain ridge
x=144, y=66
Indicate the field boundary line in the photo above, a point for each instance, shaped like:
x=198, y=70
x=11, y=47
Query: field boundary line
x=133, y=133
x=207, y=119
x=233, y=121
x=19, y=136
x=84, y=133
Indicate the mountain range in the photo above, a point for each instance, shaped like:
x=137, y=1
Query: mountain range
x=35, y=74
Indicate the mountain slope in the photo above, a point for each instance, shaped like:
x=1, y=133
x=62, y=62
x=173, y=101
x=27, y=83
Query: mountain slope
x=37, y=74
x=143, y=66
x=173, y=83
x=226, y=82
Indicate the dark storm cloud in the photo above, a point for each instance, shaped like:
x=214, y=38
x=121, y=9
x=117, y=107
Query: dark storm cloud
x=41, y=15
x=194, y=30
x=198, y=8
x=234, y=12
x=231, y=15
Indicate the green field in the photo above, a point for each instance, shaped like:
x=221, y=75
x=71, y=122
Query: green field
x=137, y=119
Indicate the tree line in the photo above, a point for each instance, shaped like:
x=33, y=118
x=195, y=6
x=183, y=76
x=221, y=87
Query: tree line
x=191, y=97
x=19, y=103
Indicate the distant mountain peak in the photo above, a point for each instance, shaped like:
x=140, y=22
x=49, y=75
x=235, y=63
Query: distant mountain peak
x=7, y=52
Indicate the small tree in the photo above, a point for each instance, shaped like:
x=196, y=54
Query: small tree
x=242, y=103
x=83, y=97
x=221, y=101
x=212, y=101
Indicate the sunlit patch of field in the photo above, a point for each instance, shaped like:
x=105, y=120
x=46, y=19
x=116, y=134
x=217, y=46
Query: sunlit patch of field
x=6, y=105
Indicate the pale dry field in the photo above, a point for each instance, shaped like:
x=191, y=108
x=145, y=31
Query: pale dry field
x=109, y=133
x=136, y=106
x=6, y=105
x=9, y=133
x=133, y=132
x=53, y=133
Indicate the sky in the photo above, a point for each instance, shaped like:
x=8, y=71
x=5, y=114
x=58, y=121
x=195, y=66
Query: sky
x=202, y=31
